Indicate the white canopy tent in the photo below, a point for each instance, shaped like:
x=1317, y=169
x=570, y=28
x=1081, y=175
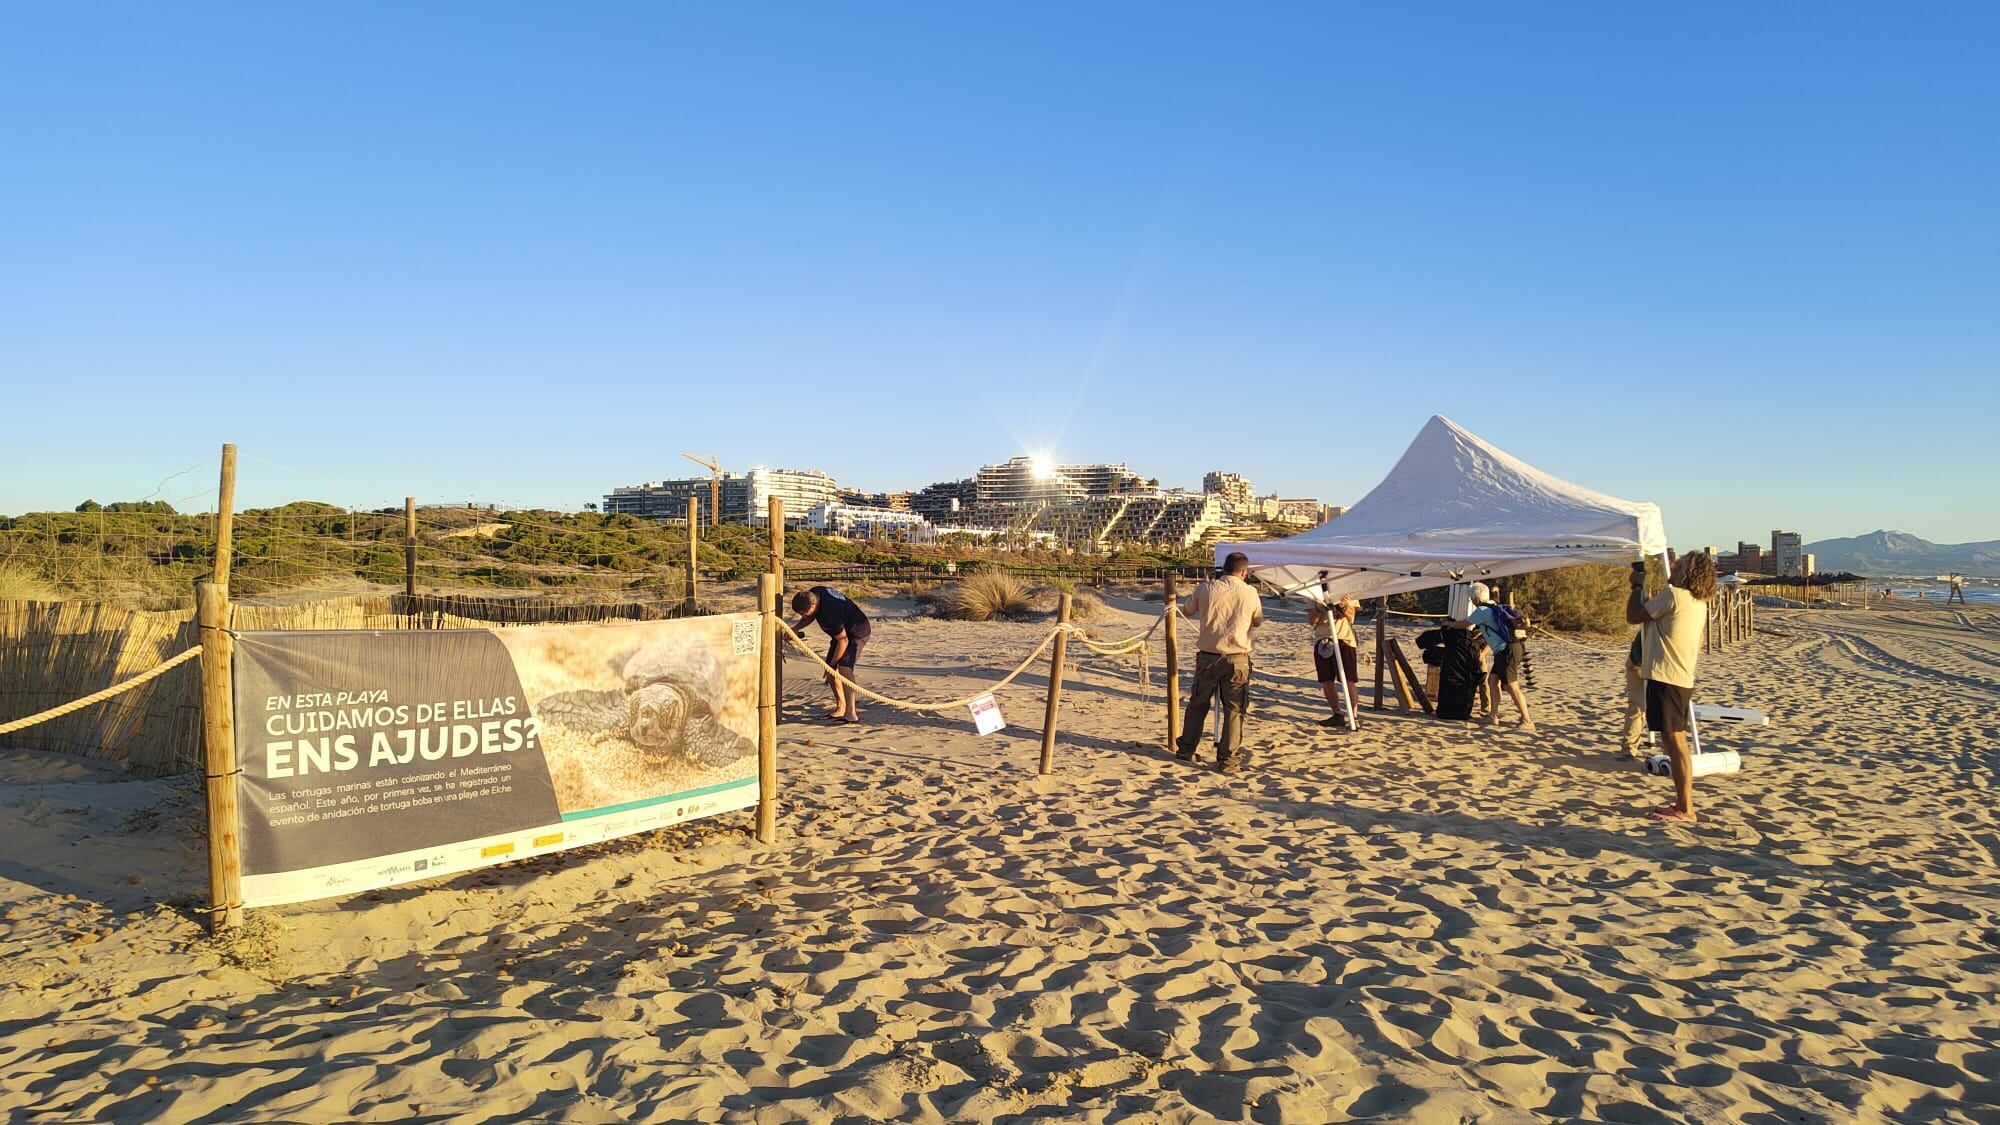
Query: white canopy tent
x=1456, y=508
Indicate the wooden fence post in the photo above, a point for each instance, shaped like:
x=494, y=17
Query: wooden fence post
x=1055, y=683
x=1406, y=676
x=410, y=551
x=694, y=548
x=1173, y=672
x=776, y=518
x=218, y=716
x=1381, y=645
x=775, y=515
x=225, y=518
x=767, y=711
x=218, y=729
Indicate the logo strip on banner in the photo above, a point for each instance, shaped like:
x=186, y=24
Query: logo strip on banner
x=650, y=801
x=377, y=758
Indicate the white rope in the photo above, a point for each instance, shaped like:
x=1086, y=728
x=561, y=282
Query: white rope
x=909, y=705
x=99, y=697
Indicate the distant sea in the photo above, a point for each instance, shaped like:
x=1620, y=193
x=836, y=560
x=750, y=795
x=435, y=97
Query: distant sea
x=1937, y=593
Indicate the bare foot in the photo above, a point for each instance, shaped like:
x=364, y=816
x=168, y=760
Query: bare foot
x=1527, y=725
x=1676, y=816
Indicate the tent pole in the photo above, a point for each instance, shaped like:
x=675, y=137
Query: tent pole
x=1346, y=688
x=1381, y=645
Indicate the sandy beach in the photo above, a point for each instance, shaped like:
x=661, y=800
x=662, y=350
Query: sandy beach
x=1421, y=921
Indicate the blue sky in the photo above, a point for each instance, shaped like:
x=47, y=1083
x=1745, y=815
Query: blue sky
x=1743, y=260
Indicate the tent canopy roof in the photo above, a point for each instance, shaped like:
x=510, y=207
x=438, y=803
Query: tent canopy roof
x=1456, y=508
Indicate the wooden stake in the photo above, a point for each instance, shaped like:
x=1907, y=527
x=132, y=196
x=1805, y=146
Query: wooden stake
x=1405, y=698
x=694, y=551
x=1055, y=684
x=767, y=711
x=225, y=518
x=1381, y=647
x=1173, y=672
x=775, y=515
x=410, y=551
x=776, y=518
x=218, y=730
x=1408, y=675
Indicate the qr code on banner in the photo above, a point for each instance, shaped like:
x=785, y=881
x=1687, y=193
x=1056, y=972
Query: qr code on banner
x=743, y=638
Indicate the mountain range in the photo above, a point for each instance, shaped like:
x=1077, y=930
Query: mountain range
x=1900, y=553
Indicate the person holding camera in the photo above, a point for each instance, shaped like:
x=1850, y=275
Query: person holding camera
x=1228, y=609
x=1334, y=652
x=1670, y=629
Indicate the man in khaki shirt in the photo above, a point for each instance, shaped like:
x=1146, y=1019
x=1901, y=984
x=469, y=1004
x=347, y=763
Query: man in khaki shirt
x=1228, y=609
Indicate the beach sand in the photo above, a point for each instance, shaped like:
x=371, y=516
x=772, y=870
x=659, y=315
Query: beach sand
x=1422, y=921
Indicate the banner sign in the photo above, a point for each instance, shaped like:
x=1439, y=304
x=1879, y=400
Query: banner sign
x=376, y=758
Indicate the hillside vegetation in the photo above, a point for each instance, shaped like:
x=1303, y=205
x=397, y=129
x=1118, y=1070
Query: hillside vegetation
x=146, y=553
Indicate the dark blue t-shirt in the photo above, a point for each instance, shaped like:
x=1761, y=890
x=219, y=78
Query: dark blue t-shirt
x=838, y=614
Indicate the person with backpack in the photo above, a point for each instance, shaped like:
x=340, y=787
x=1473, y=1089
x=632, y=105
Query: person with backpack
x=1502, y=627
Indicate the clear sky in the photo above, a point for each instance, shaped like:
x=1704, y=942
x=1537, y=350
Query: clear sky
x=1742, y=259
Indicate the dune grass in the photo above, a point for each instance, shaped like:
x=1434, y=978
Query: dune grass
x=990, y=596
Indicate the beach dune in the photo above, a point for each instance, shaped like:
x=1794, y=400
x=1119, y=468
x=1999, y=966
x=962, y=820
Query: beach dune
x=1421, y=921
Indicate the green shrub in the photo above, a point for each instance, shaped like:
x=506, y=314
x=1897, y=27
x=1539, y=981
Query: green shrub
x=1589, y=599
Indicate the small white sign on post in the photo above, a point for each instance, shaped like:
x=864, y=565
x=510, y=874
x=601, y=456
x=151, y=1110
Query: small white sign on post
x=986, y=714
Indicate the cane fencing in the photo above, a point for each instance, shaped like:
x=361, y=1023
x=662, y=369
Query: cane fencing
x=60, y=660
x=97, y=697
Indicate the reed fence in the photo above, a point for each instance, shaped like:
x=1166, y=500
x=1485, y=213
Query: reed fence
x=53, y=652
x=1844, y=595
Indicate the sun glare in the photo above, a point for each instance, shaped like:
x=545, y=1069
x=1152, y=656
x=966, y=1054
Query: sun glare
x=1041, y=466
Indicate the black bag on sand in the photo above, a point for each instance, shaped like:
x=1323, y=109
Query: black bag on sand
x=1459, y=674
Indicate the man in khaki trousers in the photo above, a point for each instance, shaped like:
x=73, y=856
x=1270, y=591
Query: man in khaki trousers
x=1635, y=706
x=1228, y=609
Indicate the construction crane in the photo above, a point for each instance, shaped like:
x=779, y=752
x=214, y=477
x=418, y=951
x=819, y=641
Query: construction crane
x=714, y=485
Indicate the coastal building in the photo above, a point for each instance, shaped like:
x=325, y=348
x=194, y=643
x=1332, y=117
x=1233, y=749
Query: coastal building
x=668, y=499
x=1234, y=489
x=830, y=518
x=947, y=502
x=1019, y=481
x=801, y=489
x=889, y=501
x=745, y=497
x=1750, y=558
x=1787, y=554
x=1028, y=480
x=1808, y=565
x=1302, y=512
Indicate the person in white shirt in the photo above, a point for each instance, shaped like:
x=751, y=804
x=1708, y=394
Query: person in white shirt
x=1670, y=628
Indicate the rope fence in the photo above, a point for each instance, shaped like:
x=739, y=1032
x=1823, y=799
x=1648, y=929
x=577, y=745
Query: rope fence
x=907, y=704
x=1135, y=643
x=156, y=670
